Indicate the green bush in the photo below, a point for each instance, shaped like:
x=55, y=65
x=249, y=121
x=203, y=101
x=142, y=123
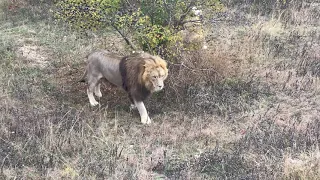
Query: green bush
x=152, y=25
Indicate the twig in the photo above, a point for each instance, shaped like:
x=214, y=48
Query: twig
x=184, y=14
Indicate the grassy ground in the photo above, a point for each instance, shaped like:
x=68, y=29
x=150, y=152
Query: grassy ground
x=255, y=117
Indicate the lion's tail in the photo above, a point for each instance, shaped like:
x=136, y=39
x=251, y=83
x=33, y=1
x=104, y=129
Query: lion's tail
x=83, y=78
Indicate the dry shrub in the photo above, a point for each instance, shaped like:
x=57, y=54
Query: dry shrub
x=194, y=68
x=299, y=12
x=209, y=80
x=288, y=11
x=305, y=166
x=200, y=67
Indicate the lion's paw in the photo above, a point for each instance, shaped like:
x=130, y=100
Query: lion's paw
x=146, y=120
x=93, y=103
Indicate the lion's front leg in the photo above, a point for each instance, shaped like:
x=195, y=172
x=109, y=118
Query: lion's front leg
x=97, y=91
x=145, y=119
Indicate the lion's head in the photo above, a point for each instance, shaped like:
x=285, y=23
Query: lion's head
x=155, y=72
x=143, y=74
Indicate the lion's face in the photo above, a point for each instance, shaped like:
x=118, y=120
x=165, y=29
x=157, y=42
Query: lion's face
x=155, y=73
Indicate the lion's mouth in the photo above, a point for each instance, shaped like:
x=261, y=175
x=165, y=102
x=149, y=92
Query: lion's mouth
x=158, y=88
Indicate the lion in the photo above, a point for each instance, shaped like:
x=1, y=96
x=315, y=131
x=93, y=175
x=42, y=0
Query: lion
x=139, y=74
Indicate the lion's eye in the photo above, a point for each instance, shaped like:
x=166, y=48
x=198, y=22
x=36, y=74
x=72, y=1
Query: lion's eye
x=154, y=77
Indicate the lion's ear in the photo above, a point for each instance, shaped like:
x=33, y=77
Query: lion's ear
x=148, y=64
x=163, y=64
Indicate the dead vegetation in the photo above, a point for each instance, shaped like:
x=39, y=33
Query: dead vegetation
x=245, y=108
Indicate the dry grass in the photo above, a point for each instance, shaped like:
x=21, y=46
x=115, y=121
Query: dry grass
x=245, y=108
x=305, y=166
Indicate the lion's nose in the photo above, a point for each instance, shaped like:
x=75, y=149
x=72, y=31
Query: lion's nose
x=160, y=87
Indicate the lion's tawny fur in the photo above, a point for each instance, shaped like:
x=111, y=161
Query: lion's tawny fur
x=140, y=74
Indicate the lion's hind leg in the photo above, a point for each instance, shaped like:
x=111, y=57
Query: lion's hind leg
x=92, y=82
x=132, y=105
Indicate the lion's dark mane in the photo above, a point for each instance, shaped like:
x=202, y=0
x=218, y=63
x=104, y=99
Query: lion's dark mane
x=131, y=68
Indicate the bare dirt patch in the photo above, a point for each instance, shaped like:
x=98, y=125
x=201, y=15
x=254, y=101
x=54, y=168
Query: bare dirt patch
x=35, y=56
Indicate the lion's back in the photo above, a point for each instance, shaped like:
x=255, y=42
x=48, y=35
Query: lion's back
x=106, y=63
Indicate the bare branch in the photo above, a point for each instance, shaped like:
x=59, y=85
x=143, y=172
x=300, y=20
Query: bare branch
x=124, y=37
x=184, y=14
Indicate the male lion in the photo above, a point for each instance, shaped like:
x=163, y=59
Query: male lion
x=139, y=74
